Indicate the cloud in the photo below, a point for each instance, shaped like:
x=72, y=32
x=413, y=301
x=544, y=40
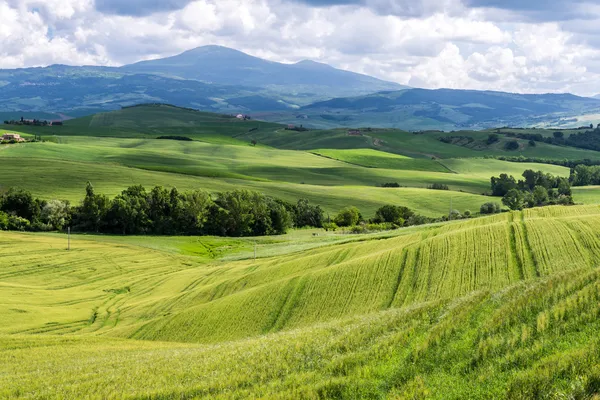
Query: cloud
x=475, y=44
x=139, y=7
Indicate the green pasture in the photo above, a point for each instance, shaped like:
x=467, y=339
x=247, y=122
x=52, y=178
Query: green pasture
x=497, y=307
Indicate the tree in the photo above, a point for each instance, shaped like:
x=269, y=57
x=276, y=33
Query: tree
x=492, y=138
x=191, y=211
x=129, y=211
x=232, y=214
x=160, y=211
x=558, y=135
x=490, y=208
x=532, y=143
x=253, y=142
x=513, y=199
x=349, y=216
x=581, y=175
x=502, y=184
x=564, y=188
x=540, y=195
x=391, y=214
x=56, y=213
x=21, y=203
x=307, y=214
x=454, y=214
x=90, y=216
x=511, y=145
x=281, y=219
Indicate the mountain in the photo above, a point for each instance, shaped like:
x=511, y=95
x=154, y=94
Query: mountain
x=225, y=66
x=219, y=79
x=450, y=109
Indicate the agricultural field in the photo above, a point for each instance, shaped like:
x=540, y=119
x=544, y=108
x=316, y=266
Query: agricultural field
x=497, y=307
x=330, y=168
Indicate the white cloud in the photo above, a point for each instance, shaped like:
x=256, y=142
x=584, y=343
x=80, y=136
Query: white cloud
x=424, y=43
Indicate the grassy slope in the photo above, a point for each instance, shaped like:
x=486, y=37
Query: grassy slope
x=505, y=306
x=60, y=170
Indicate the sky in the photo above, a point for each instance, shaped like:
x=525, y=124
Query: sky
x=526, y=46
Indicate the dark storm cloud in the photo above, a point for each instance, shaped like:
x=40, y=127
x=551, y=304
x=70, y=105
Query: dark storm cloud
x=138, y=7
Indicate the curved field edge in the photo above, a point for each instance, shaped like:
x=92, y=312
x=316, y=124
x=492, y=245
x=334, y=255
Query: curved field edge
x=533, y=340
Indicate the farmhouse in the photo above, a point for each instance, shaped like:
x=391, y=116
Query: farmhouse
x=13, y=136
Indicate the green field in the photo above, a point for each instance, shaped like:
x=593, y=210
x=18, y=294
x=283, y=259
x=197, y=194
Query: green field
x=503, y=307
x=497, y=307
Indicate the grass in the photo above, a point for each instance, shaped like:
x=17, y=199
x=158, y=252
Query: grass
x=61, y=169
x=498, y=307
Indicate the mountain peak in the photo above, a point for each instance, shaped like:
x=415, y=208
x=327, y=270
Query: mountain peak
x=312, y=64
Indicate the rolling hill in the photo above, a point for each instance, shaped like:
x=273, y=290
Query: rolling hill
x=421, y=109
x=497, y=307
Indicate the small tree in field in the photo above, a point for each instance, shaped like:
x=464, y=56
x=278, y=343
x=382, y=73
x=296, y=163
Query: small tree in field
x=513, y=199
x=349, y=216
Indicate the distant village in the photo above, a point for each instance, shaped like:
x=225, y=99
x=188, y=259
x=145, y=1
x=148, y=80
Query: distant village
x=33, y=122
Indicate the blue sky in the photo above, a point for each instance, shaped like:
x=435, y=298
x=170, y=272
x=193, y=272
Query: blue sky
x=511, y=45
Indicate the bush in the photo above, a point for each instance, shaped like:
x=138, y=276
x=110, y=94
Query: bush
x=356, y=229
x=512, y=145
x=492, y=138
x=349, y=216
x=438, y=186
x=330, y=226
x=3, y=221
x=392, y=214
x=454, y=214
x=16, y=223
x=490, y=208
x=467, y=214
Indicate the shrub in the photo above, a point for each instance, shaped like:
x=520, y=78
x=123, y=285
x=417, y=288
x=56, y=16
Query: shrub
x=16, y=223
x=511, y=145
x=330, y=226
x=438, y=186
x=392, y=214
x=454, y=214
x=3, y=221
x=467, y=214
x=349, y=216
x=490, y=208
x=492, y=138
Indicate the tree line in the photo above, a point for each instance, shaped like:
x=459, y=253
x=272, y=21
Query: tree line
x=535, y=190
x=162, y=211
x=590, y=139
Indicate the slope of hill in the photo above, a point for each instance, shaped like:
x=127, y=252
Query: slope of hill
x=448, y=109
x=498, y=307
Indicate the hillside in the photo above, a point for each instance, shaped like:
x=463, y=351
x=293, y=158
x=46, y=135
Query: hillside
x=421, y=109
x=498, y=307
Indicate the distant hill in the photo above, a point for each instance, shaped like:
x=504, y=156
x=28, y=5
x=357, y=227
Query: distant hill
x=448, y=109
x=316, y=95
x=225, y=66
x=210, y=78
